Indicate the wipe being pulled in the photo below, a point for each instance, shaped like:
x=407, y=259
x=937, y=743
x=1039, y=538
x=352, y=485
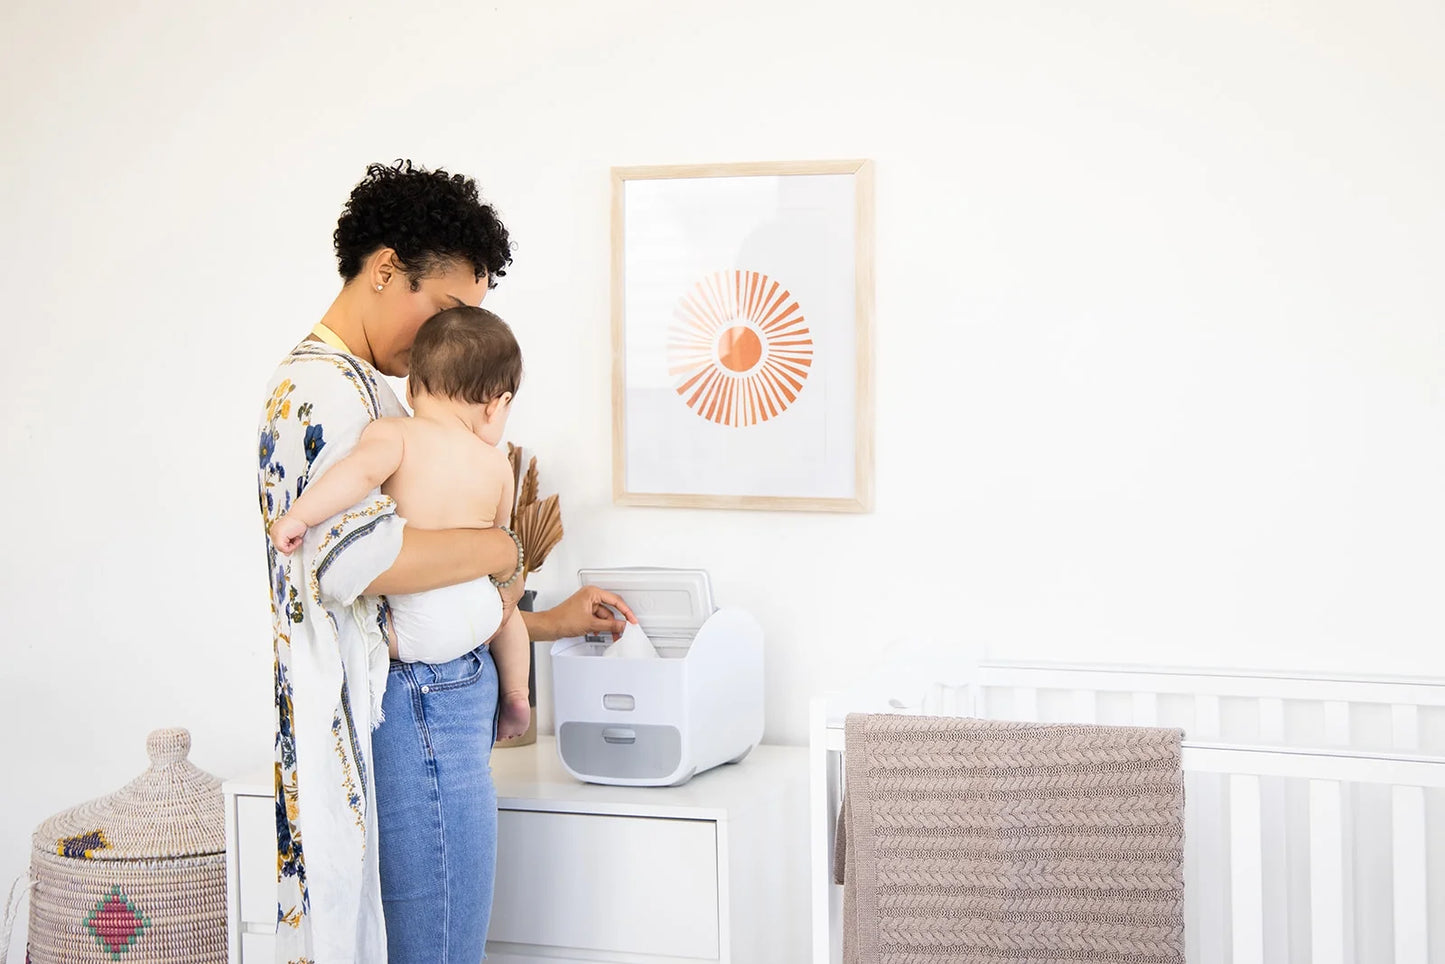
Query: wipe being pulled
x=632, y=644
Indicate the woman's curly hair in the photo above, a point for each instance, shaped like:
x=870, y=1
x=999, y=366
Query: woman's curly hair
x=427, y=217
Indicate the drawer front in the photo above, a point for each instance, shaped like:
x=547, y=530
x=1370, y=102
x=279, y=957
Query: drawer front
x=637, y=885
x=626, y=751
x=256, y=858
x=258, y=949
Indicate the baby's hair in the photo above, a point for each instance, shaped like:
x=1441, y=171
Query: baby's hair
x=466, y=353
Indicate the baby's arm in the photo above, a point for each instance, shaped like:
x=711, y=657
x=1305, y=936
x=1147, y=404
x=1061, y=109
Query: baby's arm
x=503, y=516
x=374, y=460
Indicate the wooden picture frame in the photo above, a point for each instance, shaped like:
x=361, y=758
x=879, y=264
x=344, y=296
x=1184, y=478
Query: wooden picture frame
x=742, y=325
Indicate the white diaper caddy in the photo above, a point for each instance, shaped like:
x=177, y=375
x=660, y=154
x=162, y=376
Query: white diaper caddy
x=658, y=722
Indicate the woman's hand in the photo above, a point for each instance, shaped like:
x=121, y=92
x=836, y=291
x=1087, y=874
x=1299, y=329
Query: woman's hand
x=580, y=614
x=586, y=612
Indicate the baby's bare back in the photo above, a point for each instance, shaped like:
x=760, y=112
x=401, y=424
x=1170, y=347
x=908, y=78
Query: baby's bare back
x=448, y=478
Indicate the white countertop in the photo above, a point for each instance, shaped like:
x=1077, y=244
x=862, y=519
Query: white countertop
x=532, y=778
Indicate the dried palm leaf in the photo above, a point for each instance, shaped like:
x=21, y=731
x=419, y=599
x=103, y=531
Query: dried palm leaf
x=539, y=526
x=514, y=456
x=524, y=524
x=528, y=493
x=551, y=528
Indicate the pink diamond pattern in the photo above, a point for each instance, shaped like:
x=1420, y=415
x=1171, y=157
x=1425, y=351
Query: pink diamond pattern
x=116, y=924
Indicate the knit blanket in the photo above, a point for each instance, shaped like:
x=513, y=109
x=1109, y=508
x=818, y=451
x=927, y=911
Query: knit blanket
x=969, y=841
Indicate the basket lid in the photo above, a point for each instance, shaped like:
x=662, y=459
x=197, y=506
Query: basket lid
x=173, y=809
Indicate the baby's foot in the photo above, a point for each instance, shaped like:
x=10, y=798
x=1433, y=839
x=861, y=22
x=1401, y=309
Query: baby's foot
x=516, y=716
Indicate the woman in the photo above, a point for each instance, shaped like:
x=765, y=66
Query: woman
x=403, y=818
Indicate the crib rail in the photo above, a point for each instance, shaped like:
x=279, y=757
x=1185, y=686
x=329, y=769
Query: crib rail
x=1330, y=778
x=1330, y=852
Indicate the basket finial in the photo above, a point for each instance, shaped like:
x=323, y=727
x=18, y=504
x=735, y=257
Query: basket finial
x=168, y=746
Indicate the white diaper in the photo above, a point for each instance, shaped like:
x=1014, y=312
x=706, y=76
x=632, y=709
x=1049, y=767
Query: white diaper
x=439, y=625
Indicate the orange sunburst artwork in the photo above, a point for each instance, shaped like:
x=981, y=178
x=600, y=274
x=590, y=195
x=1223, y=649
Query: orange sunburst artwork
x=740, y=349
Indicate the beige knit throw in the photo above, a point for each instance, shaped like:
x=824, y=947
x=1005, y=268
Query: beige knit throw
x=983, y=842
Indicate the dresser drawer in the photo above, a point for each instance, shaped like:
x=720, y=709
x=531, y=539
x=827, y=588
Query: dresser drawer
x=258, y=949
x=256, y=858
x=594, y=882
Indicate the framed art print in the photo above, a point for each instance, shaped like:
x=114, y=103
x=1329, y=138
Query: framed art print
x=742, y=302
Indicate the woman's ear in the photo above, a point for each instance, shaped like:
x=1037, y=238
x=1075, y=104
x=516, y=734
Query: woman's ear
x=384, y=269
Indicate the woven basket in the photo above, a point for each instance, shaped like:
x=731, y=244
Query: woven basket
x=137, y=876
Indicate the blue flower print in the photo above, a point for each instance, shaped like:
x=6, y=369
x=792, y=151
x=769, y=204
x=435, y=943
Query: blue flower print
x=314, y=443
x=268, y=447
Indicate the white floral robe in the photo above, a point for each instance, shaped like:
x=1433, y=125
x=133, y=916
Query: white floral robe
x=331, y=661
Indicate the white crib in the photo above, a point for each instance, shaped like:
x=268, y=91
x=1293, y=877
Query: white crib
x=1314, y=814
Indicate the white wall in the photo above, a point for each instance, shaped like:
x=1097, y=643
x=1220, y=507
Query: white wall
x=1159, y=337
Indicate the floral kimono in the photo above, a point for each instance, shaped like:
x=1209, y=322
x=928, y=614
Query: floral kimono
x=331, y=660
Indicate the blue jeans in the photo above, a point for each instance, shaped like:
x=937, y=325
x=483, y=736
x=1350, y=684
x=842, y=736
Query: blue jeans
x=437, y=808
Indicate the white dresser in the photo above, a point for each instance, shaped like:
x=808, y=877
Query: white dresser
x=713, y=871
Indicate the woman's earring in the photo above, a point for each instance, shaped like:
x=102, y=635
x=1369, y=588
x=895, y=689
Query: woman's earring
x=378, y=287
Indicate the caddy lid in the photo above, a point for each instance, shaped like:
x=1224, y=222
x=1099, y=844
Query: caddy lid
x=666, y=602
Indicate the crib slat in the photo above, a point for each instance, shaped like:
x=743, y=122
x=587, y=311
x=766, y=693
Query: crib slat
x=1206, y=908
x=1246, y=884
x=1208, y=935
x=1145, y=709
x=1337, y=722
x=1086, y=706
x=977, y=698
x=1271, y=721
x=1026, y=703
x=1338, y=732
x=1408, y=838
x=1206, y=717
x=1327, y=872
x=1274, y=830
x=1405, y=727
x=1273, y=838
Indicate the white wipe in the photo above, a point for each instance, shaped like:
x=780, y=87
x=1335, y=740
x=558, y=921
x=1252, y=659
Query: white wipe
x=633, y=644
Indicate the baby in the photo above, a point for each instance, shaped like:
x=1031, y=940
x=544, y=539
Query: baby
x=443, y=468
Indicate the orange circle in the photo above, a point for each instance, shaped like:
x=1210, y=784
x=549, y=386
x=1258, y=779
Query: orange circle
x=739, y=348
